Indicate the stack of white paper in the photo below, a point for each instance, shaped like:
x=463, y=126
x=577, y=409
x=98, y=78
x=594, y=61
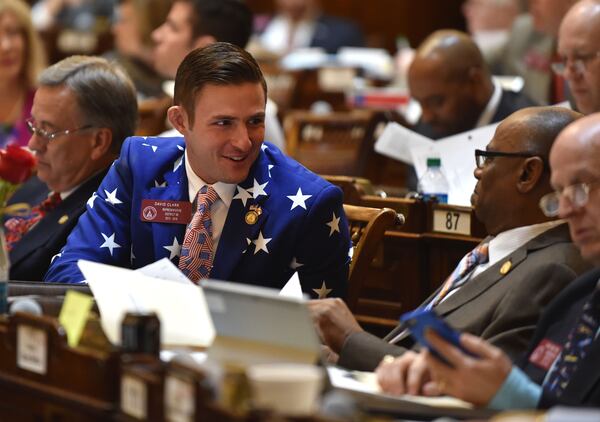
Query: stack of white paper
x=180, y=305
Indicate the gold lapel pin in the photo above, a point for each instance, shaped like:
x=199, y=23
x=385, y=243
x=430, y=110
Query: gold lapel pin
x=63, y=219
x=253, y=214
x=505, y=268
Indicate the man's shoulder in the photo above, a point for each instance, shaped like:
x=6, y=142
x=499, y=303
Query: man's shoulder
x=512, y=101
x=286, y=171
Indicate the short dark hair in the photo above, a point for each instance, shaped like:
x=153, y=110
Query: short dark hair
x=225, y=20
x=219, y=63
x=105, y=94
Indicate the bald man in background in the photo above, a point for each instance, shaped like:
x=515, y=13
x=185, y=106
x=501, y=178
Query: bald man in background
x=578, y=51
x=454, y=87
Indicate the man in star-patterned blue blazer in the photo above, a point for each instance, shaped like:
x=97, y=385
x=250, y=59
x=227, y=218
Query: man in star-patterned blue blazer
x=301, y=224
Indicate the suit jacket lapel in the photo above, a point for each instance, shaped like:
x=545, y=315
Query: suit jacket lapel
x=493, y=275
x=237, y=236
x=173, y=187
x=71, y=208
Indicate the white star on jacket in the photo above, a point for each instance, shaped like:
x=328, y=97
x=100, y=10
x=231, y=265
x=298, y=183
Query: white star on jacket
x=298, y=200
x=111, y=197
x=323, y=291
x=109, y=242
x=260, y=243
x=154, y=147
x=90, y=201
x=243, y=194
x=334, y=225
x=174, y=249
x=177, y=163
x=258, y=189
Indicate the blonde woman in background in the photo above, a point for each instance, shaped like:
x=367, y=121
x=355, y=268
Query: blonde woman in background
x=21, y=60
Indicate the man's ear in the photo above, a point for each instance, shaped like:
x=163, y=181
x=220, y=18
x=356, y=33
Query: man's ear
x=101, y=143
x=531, y=172
x=203, y=41
x=178, y=118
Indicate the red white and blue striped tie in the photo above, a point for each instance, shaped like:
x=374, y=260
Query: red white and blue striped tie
x=476, y=257
x=197, y=249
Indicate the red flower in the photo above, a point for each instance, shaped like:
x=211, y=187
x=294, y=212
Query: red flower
x=16, y=164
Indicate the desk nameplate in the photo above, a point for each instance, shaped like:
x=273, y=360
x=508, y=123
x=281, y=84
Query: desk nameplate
x=134, y=397
x=452, y=221
x=32, y=349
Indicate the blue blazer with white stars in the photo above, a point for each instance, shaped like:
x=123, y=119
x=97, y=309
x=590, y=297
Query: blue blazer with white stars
x=302, y=226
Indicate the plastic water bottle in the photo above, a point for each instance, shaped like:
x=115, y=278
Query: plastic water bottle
x=434, y=183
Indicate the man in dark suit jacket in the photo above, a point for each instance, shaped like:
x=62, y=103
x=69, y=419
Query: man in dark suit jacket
x=83, y=109
x=561, y=366
x=453, y=85
x=500, y=302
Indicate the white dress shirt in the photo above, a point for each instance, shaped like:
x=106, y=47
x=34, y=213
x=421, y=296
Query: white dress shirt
x=486, y=116
x=218, y=210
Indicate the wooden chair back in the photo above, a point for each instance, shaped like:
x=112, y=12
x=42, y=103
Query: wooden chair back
x=367, y=227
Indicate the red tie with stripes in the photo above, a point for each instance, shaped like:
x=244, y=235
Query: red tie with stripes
x=197, y=249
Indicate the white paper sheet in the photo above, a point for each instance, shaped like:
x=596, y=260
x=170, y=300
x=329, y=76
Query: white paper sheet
x=292, y=288
x=396, y=142
x=181, y=307
x=458, y=160
x=366, y=382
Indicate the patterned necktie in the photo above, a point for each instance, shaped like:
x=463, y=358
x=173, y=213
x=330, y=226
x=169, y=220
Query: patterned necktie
x=197, y=249
x=577, y=347
x=476, y=257
x=17, y=227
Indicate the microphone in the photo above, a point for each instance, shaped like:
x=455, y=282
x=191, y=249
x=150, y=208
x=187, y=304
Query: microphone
x=25, y=305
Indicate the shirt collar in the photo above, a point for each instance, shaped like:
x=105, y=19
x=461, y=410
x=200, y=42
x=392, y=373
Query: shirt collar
x=490, y=109
x=510, y=240
x=224, y=190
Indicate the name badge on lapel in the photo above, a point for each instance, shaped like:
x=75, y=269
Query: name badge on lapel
x=545, y=354
x=173, y=212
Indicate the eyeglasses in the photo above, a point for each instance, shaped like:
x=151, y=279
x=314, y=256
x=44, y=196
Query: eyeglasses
x=578, y=62
x=577, y=195
x=483, y=157
x=49, y=136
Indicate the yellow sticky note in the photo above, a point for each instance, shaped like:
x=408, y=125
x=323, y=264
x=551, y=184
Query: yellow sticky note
x=74, y=314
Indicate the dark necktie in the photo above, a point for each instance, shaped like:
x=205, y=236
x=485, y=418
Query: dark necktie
x=577, y=347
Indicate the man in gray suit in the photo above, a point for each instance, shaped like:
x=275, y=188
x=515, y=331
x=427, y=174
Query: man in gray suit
x=531, y=258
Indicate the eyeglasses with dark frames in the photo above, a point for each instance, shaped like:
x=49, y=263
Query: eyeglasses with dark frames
x=578, y=196
x=482, y=157
x=50, y=136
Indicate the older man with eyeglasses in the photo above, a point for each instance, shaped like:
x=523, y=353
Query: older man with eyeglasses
x=82, y=111
x=579, y=50
x=562, y=364
x=529, y=257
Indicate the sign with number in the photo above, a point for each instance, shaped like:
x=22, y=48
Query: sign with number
x=452, y=221
x=179, y=400
x=32, y=349
x=134, y=397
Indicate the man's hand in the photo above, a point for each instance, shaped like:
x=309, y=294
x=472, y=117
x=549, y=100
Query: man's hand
x=404, y=375
x=334, y=322
x=473, y=379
